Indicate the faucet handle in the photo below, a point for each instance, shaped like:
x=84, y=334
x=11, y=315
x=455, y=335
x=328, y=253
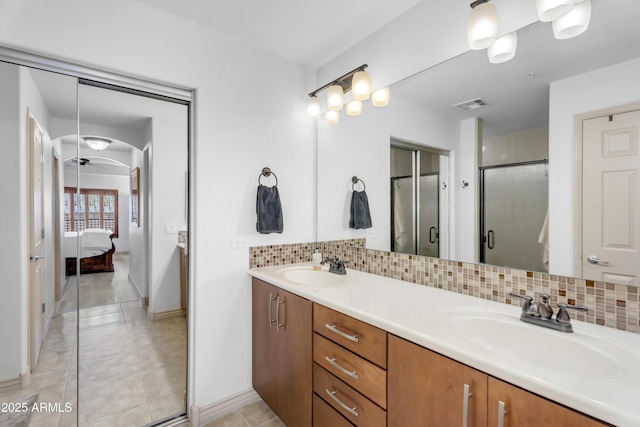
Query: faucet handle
x=563, y=315
x=526, y=306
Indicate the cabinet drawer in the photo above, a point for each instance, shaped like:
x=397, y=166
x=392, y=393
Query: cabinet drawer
x=338, y=394
x=359, y=373
x=366, y=340
x=325, y=416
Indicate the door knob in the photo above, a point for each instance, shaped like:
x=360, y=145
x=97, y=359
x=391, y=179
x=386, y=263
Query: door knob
x=593, y=259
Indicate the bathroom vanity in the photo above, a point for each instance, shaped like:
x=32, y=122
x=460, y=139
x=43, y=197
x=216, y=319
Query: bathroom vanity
x=367, y=350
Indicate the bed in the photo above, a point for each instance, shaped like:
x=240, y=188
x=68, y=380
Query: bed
x=96, y=251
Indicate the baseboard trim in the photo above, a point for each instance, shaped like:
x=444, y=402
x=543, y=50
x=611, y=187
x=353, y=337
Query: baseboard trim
x=9, y=385
x=166, y=314
x=202, y=415
x=143, y=301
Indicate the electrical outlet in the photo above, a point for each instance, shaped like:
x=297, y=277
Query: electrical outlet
x=239, y=242
x=371, y=233
x=170, y=228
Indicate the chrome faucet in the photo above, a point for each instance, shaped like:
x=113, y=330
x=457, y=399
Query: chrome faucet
x=336, y=265
x=540, y=313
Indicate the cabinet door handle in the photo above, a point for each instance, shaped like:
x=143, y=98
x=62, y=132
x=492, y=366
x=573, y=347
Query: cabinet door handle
x=332, y=394
x=334, y=328
x=501, y=412
x=466, y=394
x=278, y=324
x=271, y=298
x=332, y=361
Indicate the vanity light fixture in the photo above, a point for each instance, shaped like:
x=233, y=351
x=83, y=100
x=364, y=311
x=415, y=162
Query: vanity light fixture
x=550, y=10
x=358, y=82
x=482, y=27
x=97, y=143
x=573, y=23
x=503, y=49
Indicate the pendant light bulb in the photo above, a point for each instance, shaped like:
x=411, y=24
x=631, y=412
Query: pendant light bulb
x=503, y=49
x=332, y=117
x=335, y=97
x=361, y=86
x=482, y=27
x=313, y=107
x=573, y=23
x=380, y=98
x=354, y=108
x=550, y=10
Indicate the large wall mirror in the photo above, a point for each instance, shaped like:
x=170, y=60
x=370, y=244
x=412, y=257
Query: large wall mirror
x=527, y=116
x=103, y=337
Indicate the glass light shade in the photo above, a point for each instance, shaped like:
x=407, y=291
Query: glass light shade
x=482, y=27
x=354, y=108
x=380, y=98
x=503, y=49
x=313, y=107
x=332, y=117
x=361, y=86
x=573, y=23
x=335, y=97
x=549, y=10
x=97, y=144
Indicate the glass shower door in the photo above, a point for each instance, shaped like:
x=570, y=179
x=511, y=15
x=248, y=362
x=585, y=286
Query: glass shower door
x=402, y=229
x=428, y=238
x=514, y=205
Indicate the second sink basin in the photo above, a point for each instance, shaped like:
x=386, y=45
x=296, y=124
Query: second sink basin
x=306, y=275
x=578, y=353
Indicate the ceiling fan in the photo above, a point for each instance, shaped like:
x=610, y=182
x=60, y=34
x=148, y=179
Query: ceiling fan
x=83, y=161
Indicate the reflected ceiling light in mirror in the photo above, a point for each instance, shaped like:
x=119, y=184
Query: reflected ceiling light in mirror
x=549, y=10
x=380, y=98
x=354, y=108
x=313, y=107
x=332, y=117
x=97, y=143
x=573, y=23
x=503, y=49
x=361, y=86
x=335, y=97
x=482, y=27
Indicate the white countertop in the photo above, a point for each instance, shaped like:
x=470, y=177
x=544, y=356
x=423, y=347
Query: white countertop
x=418, y=314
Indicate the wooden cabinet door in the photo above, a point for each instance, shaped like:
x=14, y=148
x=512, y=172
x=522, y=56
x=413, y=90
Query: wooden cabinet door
x=295, y=359
x=525, y=409
x=265, y=352
x=427, y=389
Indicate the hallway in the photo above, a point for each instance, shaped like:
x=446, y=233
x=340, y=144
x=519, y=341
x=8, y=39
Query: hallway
x=132, y=370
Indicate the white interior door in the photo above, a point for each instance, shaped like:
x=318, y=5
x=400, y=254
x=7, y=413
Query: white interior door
x=36, y=241
x=610, y=223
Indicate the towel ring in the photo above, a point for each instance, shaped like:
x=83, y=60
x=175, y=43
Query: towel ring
x=354, y=181
x=267, y=172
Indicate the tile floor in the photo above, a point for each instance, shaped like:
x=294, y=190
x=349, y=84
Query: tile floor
x=257, y=414
x=132, y=371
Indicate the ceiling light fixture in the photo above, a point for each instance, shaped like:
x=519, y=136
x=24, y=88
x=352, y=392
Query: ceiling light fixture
x=97, y=143
x=573, y=23
x=356, y=81
x=482, y=27
x=503, y=49
x=550, y=10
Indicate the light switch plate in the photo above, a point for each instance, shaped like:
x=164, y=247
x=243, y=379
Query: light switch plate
x=170, y=229
x=239, y=242
x=371, y=233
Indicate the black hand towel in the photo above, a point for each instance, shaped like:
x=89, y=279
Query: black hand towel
x=269, y=210
x=360, y=216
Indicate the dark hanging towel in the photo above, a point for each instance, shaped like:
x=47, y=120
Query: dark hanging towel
x=360, y=216
x=269, y=210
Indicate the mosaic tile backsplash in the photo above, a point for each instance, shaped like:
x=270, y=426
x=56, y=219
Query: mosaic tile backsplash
x=612, y=305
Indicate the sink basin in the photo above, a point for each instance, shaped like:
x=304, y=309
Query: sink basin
x=578, y=353
x=306, y=275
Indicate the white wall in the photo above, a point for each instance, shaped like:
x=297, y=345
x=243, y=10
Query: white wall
x=249, y=114
x=360, y=146
x=605, y=88
x=466, y=212
x=108, y=182
x=137, y=236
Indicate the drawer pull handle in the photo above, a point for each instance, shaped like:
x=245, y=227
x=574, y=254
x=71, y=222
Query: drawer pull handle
x=332, y=394
x=271, y=298
x=501, y=413
x=465, y=405
x=332, y=361
x=333, y=328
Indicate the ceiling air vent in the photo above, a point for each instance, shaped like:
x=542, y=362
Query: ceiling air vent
x=472, y=104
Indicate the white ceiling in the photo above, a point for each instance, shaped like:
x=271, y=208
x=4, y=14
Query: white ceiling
x=306, y=32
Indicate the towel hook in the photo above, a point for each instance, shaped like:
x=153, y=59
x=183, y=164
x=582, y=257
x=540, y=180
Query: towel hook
x=267, y=172
x=354, y=181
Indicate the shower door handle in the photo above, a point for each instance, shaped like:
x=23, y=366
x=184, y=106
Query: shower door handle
x=490, y=239
x=433, y=235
